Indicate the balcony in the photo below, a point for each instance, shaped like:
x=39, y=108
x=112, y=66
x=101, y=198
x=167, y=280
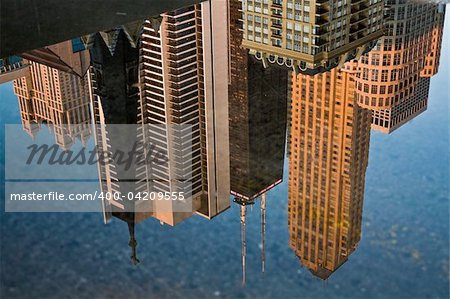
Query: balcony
x=321, y=20
x=276, y=33
x=277, y=24
x=322, y=11
x=277, y=4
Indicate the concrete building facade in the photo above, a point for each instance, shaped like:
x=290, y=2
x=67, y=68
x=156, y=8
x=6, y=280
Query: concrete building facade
x=311, y=36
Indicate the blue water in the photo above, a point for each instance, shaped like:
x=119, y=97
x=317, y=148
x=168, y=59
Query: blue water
x=403, y=252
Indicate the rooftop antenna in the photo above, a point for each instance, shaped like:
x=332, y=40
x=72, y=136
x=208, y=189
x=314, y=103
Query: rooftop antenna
x=263, y=232
x=243, y=203
x=243, y=210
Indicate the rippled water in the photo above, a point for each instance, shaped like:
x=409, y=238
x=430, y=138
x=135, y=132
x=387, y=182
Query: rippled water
x=403, y=252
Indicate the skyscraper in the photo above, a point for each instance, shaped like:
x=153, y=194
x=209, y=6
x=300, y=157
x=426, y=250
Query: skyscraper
x=258, y=112
x=180, y=104
x=184, y=80
x=311, y=35
x=12, y=67
x=257, y=105
x=57, y=98
x=394, y=78
x=258, y=130
x=115, y=100
x=328, y=156
x=434, y=55
x=69, y=56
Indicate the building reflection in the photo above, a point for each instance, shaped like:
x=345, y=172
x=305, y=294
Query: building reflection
x=52, y=88
x=184, y=83
x=394, y=77
x=114, y=79
x=11, y=68
x=165, y=76
x=115, y=99
x=216, y=98
x=258, y=119
x=258, y=132
x=330, y=119
x=311, y=36
x=328, y=156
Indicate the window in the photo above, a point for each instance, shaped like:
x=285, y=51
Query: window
x=396, y=58
x=384, y=75
x=386, y=59
x=387, y=44
x=394, y=75
x=374, y=76
x=375, y=59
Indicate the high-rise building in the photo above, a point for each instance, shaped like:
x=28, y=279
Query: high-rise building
x=57, y=98
x=328, y=156
x=394, y=78
x=115, y=100
x=52, y=88
x=12, y=68
x=258, y=116
x=258, y=130
x=69, y=56
x=184, y=81
x=311, y=36
x=176, y=87
x=434, y=55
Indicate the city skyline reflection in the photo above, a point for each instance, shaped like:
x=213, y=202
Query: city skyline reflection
x=244, y=111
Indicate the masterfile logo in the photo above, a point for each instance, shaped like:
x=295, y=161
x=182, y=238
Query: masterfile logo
x=147, y=154
x=71, y=168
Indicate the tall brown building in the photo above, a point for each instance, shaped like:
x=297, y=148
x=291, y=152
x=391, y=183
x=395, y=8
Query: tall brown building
x=434, y=55
x=184, y=90
x=258, y=131
x=328, y=156
x=311, y=36
x=257, y=105
x=257, y=120
x=394, y=78
x=57, y=98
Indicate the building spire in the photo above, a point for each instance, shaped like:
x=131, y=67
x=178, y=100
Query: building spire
x=132, y=243
x=263, y=232
x=243, y=210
